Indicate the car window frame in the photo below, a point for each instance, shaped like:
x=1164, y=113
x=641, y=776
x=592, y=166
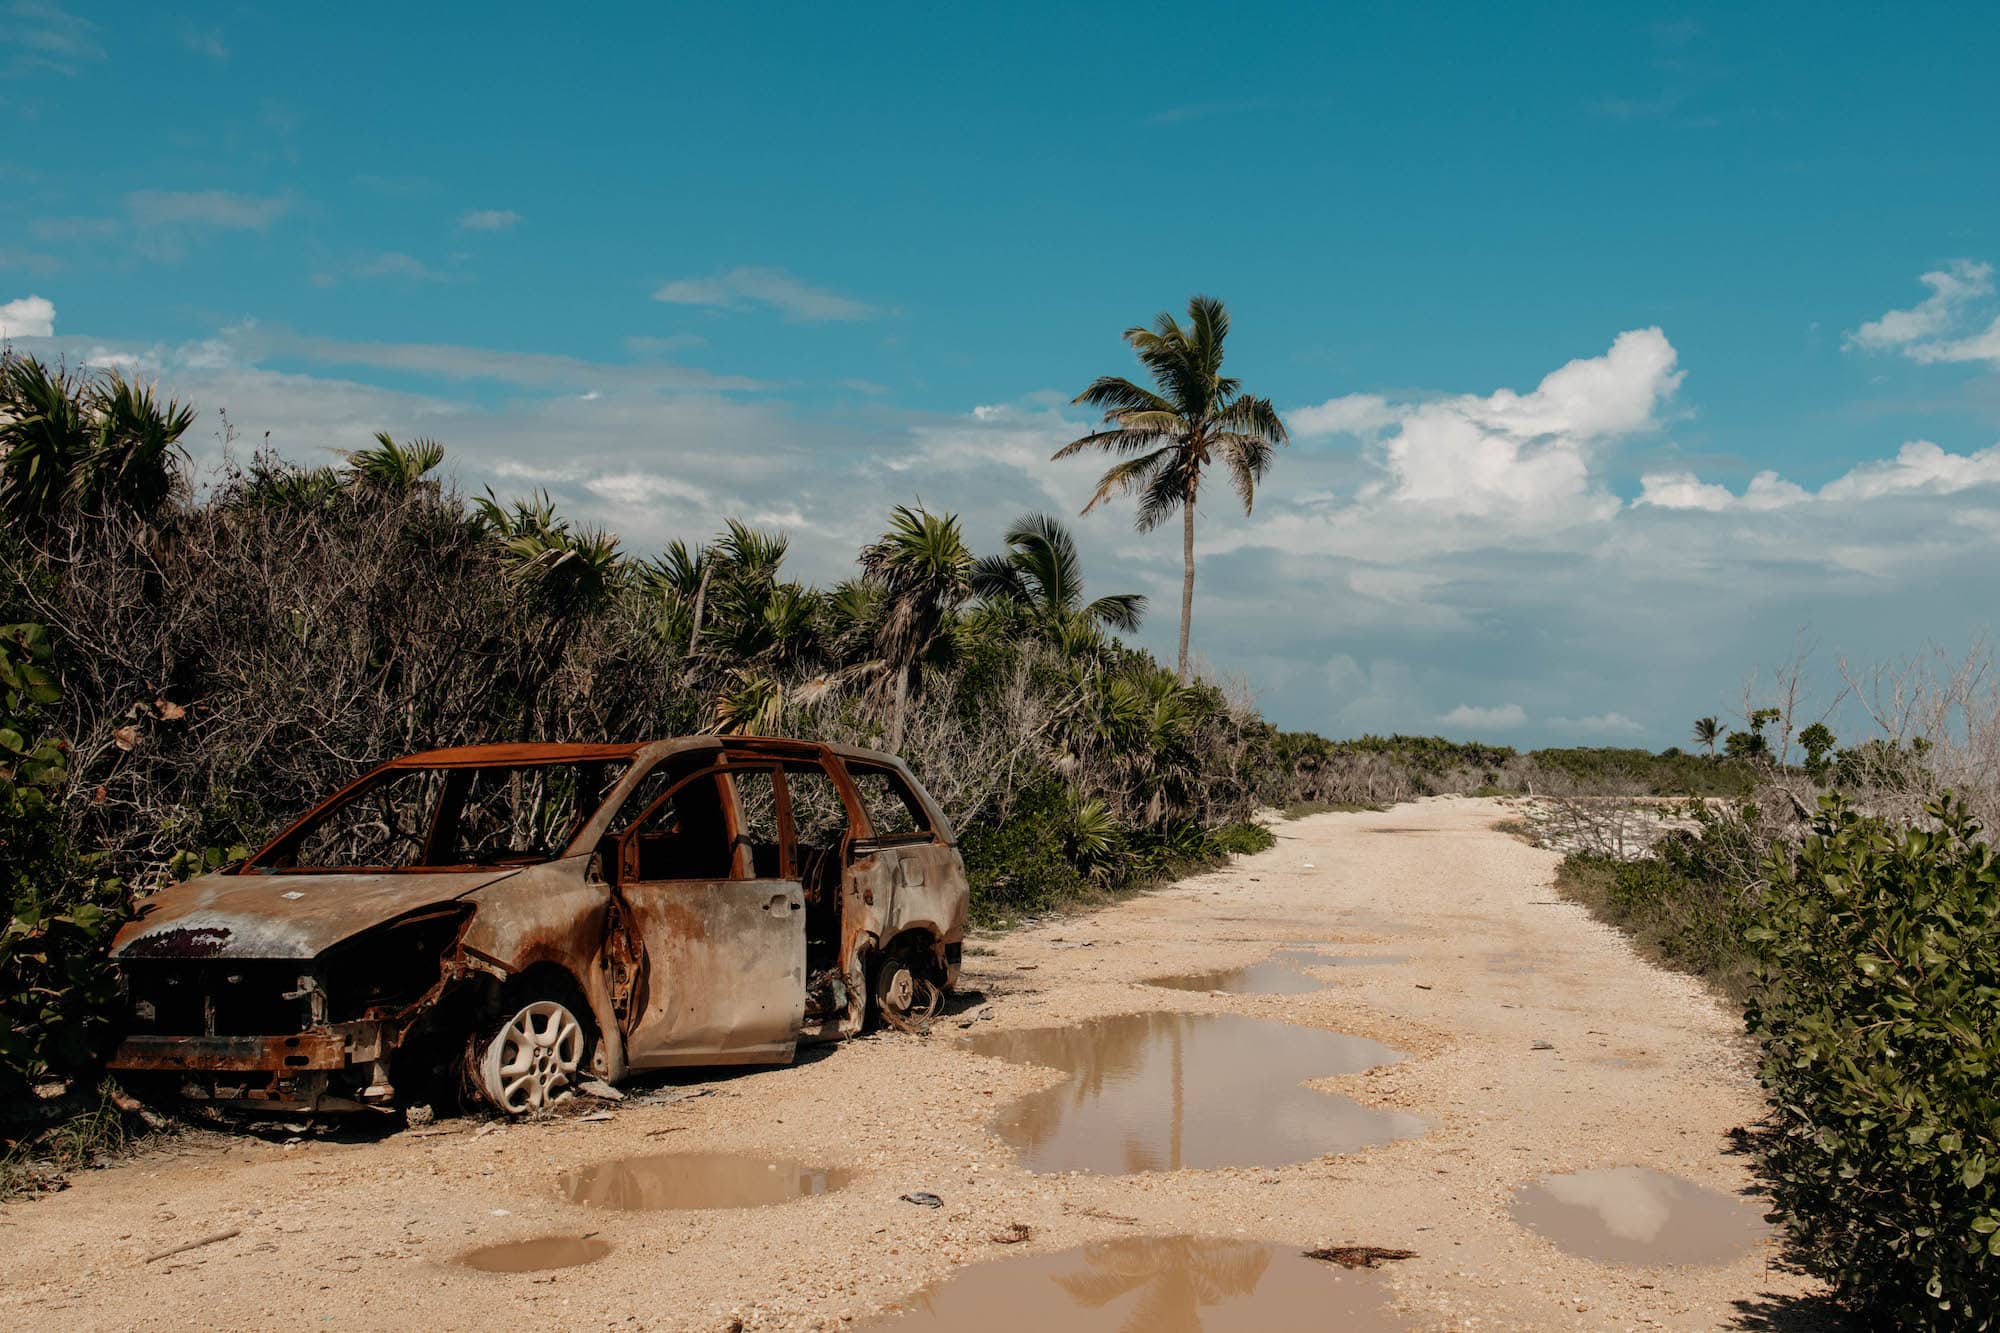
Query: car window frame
x=930, y=833
x=455, y=780
x=731, y=812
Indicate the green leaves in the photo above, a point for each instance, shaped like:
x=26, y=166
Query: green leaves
x=1879, y=1014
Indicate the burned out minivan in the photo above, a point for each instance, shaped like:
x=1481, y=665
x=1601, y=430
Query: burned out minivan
x=511, y=921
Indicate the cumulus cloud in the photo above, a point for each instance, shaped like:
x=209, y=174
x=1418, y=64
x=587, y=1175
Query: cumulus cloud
x=768, y=287
x=29, y=317
x=1505, y=717
x=489, y=219
x=1606, y=725
x=1919, y=466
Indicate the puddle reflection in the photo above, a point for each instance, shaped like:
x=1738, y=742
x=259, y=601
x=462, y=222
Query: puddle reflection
x=695, y=1180
x=1166, y=1284
x=533, y=1256
x=1161, y=1091
x=1636, y=1215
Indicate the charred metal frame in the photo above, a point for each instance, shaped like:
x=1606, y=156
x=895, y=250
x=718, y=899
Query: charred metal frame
x=565, y=920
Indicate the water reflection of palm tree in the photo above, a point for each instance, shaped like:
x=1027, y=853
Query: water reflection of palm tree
x=1177, y=1277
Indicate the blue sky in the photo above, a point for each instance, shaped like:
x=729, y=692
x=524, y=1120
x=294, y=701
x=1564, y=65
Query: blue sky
x=799, y=264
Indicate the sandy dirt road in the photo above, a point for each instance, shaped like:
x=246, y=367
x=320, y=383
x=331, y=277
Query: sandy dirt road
x=1536, y=1043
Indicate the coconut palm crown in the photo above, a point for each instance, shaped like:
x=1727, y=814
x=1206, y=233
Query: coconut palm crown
x=1166, y=436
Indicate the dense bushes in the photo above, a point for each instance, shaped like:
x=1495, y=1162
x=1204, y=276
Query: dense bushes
x=1878, y=1007
x=235, y=650
x=55, y=987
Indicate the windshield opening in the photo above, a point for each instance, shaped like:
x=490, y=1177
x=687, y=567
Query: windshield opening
x=449, y=818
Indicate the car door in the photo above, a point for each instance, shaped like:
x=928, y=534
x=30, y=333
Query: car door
x=910, y=876
x=710, y=891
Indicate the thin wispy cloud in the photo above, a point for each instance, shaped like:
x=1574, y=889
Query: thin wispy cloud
x=254, y=344
x=489, y=219
x=219, y=209
x=205, y=42
x=770, y=288
x=45, y=35
x=395, y=264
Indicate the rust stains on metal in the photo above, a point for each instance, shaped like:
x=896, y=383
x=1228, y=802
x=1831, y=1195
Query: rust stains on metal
x=538, y=915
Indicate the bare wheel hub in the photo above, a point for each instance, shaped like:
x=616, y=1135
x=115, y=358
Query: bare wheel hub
x=905, y=997
x=534, y=1060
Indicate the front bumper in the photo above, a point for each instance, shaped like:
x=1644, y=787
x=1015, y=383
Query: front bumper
x=218, y=1055
x=341, y=1068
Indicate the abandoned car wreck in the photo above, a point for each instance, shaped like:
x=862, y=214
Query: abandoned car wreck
x=511, y=921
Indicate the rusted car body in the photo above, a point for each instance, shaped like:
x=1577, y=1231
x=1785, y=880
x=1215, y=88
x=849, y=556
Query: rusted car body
x=520, y=919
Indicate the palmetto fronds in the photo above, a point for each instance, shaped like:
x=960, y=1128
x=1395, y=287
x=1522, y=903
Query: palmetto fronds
x=98, y=441
x=391, y=467
x=925, y=573
x=1042, y=576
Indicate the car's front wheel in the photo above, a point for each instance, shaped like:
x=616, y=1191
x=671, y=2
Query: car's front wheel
x=533, y=1059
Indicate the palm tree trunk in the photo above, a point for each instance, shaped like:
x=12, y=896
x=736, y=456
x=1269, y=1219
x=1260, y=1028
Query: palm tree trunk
x=1187, y=581
x=902, y=701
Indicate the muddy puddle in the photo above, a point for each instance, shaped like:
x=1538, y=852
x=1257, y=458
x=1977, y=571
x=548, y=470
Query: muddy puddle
x=1161, y=1091
x=1636, y=1215
x=1283, y=973
x=1273, y=976
x=695, y=1180
x=1165, y=1284
x=533, y=1256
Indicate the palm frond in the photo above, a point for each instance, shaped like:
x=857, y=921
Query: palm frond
x=1123, y=477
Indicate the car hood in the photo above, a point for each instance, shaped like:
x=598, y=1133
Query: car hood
x=282, y=916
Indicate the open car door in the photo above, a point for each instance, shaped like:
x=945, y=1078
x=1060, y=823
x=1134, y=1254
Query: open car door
x=711, y=892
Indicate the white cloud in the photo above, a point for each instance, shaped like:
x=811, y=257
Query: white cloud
x=1919, y=466
x=1978, y=347
x=768, y=287
x=205, y=208
x=489, y=219
x=1952, y=287
x=29, y=317
x=1467, y=717
x=1602, y=724
x=638, y=488
x=1353, y=414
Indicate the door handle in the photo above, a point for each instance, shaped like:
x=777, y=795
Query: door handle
x=777, y=900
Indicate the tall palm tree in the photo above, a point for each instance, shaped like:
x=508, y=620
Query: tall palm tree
x=925, y=572
x=1707, y=731
x=1168, y=435
x=1042, y=576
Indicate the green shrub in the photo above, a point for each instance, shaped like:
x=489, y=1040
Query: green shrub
x=57, y=991
x=1686, y=902
x=1878, y=1008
